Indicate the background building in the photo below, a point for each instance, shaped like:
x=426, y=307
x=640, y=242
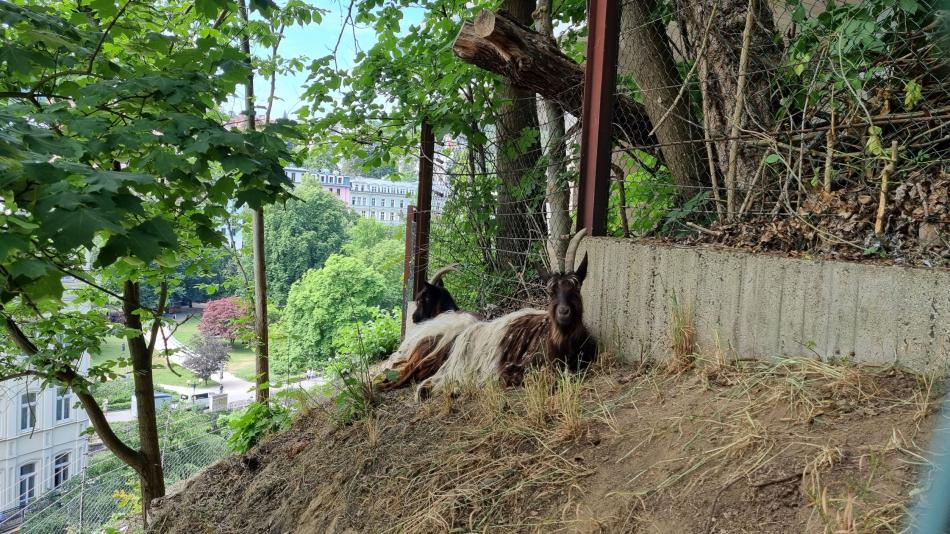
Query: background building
x=383, y=200
x=42, y=441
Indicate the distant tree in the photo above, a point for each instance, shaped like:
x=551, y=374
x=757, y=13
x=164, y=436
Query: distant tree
x=377, y=246
x=301, y=235
x=344, y=291
x=208, y=356
x=225, y=318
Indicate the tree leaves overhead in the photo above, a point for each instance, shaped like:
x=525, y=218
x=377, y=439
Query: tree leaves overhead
x=111, y=142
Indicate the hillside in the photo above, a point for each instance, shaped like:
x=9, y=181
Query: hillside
x=789, y=446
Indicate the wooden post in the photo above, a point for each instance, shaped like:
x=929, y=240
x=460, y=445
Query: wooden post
x=424, y=205
x=407, y=284
x=600, y=80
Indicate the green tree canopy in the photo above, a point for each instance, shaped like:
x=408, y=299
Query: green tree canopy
x=301, y=235
x=344, y=291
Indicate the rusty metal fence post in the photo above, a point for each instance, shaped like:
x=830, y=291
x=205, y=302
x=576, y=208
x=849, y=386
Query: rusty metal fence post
x=603, y=25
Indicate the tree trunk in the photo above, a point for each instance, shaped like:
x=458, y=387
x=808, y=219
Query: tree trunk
x=150, y=469
x=719, y=75
x=262, y=389
x=499, y=43
x=646, y=55
x=557, y=190
x=517, y=161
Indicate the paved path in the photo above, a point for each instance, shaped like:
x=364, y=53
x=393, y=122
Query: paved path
x=237, y=388
x=116, y=416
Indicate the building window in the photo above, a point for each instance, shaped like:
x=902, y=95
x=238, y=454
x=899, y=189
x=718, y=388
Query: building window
x=27, y=411
x=382, y=216
x=60, y=469
x=372, y=202
x=339, y=179
x=62, y=404
x=362, y=213
x=372, y=189
x=401, y=202
x=392, y=217
x=27, y=483
x=392, y=203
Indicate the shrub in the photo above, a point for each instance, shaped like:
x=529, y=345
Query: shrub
x=375, y=338
x=255, y=422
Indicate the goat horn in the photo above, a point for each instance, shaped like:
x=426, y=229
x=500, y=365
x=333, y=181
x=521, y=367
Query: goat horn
x=438, y=274
x=572, y=250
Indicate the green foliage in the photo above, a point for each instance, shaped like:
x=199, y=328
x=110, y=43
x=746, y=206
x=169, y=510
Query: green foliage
x=118, y=392
x=377, y=246
x=375, y=339
x=254, y=423
x=301, y=235
x=344, y=291
x=650, y=194
x=114, y=160
x=352, y=392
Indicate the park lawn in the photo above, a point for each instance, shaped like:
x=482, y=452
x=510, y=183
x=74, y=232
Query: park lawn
x=188, y=329
x=110, y=349
x=162, y=375
x=242, y=363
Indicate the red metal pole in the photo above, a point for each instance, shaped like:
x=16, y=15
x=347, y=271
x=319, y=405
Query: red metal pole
x=424, y=204
x=407, y=285
x=603, y=27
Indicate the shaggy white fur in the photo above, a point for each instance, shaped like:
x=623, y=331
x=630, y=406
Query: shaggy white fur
x=448, y=325
x=475, y=355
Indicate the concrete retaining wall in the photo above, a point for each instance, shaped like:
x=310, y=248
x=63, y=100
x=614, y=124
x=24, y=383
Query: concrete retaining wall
x=766, y=306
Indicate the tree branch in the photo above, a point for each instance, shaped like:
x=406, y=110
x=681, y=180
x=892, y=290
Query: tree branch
x=102, y=39
x=157, y=323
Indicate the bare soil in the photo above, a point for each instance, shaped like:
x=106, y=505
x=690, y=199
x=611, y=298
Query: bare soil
x=788, y=446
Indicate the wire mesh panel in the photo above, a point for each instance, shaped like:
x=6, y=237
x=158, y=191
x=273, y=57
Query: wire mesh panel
x=805, y=127
x=107, y=493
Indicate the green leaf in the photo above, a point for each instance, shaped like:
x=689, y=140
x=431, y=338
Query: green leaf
x=105, y=8
x=28, y=268
x=9, y=242
x=773, y=158
x=912, y=94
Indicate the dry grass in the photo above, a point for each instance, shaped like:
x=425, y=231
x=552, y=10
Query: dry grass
x=567, y=405
x=799, y=445
x=682, y=334
x=538, y=384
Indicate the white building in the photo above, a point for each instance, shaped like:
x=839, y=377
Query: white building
x=42, y=444
x=383, y=200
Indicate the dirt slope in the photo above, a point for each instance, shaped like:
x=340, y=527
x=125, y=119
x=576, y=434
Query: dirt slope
x=793, y=446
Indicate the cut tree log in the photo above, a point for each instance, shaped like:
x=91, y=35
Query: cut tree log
x=497, y=43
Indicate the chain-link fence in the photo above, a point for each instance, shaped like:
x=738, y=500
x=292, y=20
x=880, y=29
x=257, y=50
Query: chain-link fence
x=798, y=126
x=803, y=127
x=107, y=493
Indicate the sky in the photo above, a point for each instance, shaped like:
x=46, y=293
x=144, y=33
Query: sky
x=313, y=41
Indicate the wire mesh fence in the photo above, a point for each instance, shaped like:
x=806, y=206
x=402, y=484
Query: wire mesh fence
x=106, y=493
x=800, y=126
x=806, y=127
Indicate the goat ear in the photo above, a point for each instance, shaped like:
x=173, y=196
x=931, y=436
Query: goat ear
x=581, y=271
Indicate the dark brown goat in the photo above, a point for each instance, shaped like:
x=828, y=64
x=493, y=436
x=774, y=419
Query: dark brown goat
x=505, y=348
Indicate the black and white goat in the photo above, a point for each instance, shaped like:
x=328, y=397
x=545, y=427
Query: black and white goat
x=433, y=299
x=505, y=348
x=437, y=322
